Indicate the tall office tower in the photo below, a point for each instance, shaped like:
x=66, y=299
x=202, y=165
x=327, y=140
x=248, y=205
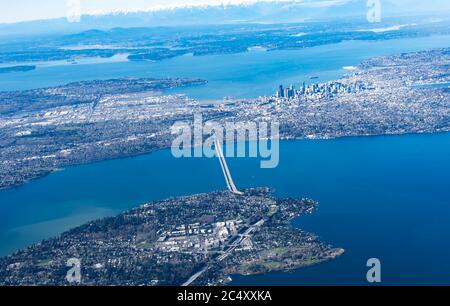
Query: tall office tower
x=281, y=91
x=287, y=93
x=303, y=88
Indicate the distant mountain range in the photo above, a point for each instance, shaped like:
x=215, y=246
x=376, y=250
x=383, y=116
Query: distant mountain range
x=258, y=12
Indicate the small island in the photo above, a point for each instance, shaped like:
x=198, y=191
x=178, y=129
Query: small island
x=194, y=240
x=22, y=68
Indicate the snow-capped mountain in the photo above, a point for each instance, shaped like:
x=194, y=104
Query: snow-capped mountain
x=226, y=12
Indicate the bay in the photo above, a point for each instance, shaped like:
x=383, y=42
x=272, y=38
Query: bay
x=242, y=75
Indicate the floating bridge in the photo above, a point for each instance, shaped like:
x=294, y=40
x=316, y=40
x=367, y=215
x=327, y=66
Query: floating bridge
x=226, y=172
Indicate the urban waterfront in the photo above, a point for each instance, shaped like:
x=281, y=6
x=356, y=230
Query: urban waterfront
x=383, y=197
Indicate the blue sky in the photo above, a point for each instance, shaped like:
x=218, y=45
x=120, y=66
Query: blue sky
x=24, y=10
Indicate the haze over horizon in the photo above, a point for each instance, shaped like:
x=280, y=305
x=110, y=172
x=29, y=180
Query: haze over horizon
x=26, y=10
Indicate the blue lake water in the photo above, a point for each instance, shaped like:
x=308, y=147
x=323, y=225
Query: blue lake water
x=381, y=197
x=384, y=197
